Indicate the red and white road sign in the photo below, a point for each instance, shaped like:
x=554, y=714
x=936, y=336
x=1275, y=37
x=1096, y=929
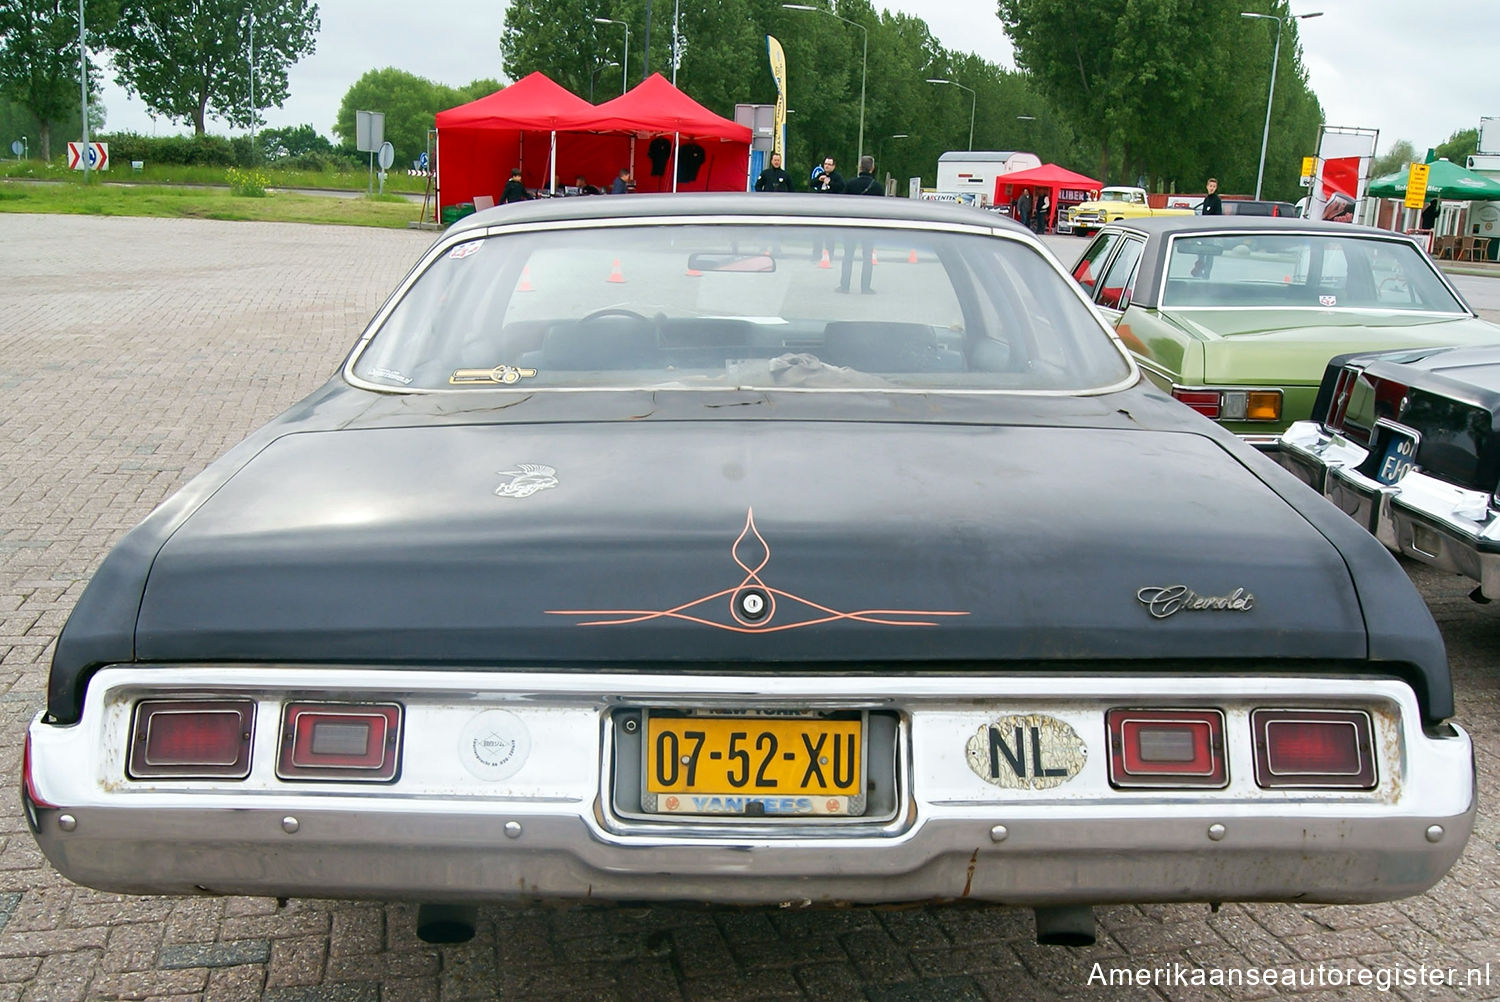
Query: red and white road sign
x=98, y=156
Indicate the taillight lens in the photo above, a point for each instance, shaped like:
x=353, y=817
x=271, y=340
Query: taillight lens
x=1205, y=402
x=358, y=742
x=1329, y=749
x=191, y=738
x=1166, y=748
x=1232, y=405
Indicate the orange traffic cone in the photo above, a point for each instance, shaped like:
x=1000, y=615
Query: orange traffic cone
x=825, y=263
x=525, y=285
x=912, y=257
x=614, y=272
x=694, y=273
x=873, y=259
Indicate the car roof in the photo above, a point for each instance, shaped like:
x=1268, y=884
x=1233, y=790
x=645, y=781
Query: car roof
x=1154, y=226
x=819, y=207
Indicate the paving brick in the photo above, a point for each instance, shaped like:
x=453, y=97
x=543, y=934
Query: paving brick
x=296, y=961
x=234, y=984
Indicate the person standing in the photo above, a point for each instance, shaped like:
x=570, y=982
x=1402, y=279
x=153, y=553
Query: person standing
x=864, y=183
x=773, y=178
x=1023, y=208
x=515, y=190
x=826, y=180
x=1430, y=214
x=1212, y=204
x=1043, y=210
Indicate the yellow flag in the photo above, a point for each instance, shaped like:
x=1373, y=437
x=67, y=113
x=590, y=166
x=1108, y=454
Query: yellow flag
x=778, y=73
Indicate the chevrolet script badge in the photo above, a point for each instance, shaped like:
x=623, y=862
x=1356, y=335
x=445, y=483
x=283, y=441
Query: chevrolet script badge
x=1162, y=602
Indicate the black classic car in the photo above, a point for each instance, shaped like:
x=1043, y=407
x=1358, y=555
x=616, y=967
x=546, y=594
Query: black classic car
x=628, y=556
x=1408, y=443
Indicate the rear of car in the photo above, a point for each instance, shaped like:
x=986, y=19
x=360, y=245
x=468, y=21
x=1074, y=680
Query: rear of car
x=1408, y=444
x=1238, y=320
x=629, y=557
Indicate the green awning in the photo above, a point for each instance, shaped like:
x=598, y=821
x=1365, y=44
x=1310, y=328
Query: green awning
x=1445, y=179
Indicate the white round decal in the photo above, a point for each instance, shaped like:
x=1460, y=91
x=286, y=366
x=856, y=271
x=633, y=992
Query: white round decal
x=494, y=745
x=1026, y=752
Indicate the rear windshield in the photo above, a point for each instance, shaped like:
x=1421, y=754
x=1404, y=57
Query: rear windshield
x=1303, y=269
x=731, y=306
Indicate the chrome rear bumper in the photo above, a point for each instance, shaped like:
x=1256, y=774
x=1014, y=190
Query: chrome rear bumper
x=1433, y=522
x=442, y=832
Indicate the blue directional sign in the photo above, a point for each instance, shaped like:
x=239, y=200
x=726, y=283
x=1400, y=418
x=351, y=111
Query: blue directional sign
x=422, y=160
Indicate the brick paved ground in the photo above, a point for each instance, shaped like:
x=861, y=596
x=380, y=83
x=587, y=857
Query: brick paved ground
x=133, y=351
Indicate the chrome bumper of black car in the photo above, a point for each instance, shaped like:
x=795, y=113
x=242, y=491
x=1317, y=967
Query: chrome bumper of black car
x=1419, y=516
x=549, y=823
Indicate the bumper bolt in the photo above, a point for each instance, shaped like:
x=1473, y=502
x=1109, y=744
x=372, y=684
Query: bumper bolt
x=512, y=829
x=1435, y=833
x=290, y=825
x=999, y=833
x=67, y=822
x=630, y=725
x=1216, y=832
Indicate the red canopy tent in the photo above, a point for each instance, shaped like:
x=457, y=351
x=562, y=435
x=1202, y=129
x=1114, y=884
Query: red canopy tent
x=1065, y=186
x=712, y=152
x=479, y=142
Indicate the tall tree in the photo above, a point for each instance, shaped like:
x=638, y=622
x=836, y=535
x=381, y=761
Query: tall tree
x=1459, y=146
x=39, y=58
x=1173, y=89
x=409, y=103
x=189, y=59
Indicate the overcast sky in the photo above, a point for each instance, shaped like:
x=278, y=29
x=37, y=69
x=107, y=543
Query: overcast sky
x=1416, y=71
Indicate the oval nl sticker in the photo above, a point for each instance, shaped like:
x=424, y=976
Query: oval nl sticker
x=1026, y=752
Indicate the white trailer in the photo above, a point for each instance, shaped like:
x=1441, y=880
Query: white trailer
x=974, y=172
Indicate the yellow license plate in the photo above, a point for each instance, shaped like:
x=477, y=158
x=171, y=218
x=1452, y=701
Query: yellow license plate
x=754, y=765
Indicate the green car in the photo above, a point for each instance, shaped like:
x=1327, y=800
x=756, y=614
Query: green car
x=1237, y=317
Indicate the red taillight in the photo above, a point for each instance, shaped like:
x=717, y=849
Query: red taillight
x=341, y=741
x=1158, y=748
x=182, y=738
x=1313, y=748
x=1205, y=402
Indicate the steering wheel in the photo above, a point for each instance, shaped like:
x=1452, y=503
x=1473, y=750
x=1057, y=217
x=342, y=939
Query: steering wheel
x=614, y=311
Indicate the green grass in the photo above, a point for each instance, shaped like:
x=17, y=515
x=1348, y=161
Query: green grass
x=347, y=180
x=110, y=198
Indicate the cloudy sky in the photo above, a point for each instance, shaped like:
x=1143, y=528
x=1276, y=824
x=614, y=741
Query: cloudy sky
x=1374, y=64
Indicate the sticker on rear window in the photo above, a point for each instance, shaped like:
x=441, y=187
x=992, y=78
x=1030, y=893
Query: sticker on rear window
x=1328, y=300
x=464, y=250
x=1026, y=752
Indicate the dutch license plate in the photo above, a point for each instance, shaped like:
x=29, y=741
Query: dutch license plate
x=1400, y=454
x=756, y=766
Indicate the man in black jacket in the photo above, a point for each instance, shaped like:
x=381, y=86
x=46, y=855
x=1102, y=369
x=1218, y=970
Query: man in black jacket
x=773, y=178
x=514, y=191
x=864, y=183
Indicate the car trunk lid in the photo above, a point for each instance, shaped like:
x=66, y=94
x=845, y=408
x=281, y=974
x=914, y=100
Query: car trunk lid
x=566, y=544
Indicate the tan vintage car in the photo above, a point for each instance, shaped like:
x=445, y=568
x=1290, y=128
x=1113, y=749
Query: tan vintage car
x=1112, y=205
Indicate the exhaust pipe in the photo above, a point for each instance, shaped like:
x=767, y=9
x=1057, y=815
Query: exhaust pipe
x=446, y=923
x=1066, y=925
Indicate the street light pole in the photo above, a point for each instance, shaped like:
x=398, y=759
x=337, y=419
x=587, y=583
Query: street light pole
x=624, y=59
x=83, y=86
x=252, y=83
x=1271, y=93
x=973, y=103
x=864, y=64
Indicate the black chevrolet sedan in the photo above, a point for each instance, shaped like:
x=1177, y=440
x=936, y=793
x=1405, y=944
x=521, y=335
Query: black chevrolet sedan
x=640, y=549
